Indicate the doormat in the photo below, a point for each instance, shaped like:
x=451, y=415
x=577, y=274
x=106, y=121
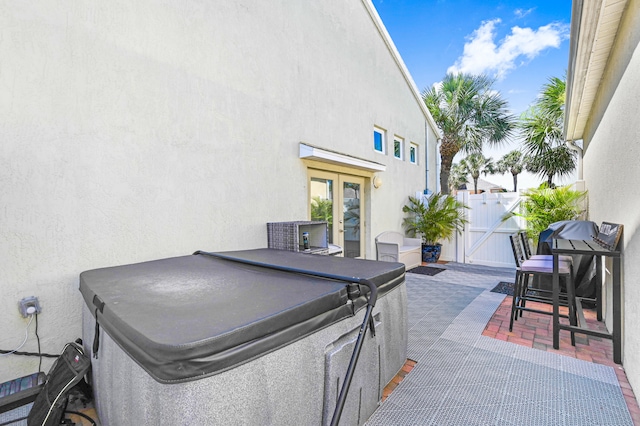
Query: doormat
x=504, y=288
x=425, y=270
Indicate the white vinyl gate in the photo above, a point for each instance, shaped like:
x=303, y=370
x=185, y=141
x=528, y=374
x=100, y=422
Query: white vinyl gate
x=485, y=240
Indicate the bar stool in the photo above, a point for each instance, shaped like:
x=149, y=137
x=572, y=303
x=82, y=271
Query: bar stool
x=526, y=251
x=523, y=292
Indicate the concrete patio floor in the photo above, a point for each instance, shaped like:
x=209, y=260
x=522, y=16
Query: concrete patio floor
x=462, y=377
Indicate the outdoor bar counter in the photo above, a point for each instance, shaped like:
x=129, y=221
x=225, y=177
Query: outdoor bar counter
x=234, y=338
x=589, y=248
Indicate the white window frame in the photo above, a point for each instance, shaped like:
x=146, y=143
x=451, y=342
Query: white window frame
x=416, y=147
x=383, y=134
x=400, y=140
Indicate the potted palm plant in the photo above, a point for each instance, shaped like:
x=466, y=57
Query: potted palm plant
x=434, y=220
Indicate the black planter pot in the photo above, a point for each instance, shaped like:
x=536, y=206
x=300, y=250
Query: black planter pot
x=431, y=253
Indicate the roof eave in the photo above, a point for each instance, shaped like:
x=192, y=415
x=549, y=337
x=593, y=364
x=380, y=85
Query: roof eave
x=594, y=27
x=570, y=115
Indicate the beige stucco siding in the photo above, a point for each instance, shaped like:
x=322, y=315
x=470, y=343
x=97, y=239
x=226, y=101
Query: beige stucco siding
x=612, y=169
x=140, y=130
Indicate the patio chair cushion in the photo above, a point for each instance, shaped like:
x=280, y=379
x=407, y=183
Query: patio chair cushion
x=544, y=266
x=562, y=258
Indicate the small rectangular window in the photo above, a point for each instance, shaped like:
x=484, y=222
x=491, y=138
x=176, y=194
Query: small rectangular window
x=398, y=147
x=378, y=139
x=413, y=153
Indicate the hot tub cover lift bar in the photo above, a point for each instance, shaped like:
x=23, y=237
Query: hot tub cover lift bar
x=371, y=302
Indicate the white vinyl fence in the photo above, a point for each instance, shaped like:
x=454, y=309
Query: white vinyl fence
x=485, y=240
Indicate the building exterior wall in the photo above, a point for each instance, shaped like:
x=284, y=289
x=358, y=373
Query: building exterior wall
x=611, y=169
x=140, y=130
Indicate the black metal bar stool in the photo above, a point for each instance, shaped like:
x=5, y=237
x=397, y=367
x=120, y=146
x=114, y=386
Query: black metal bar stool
x=523, y=292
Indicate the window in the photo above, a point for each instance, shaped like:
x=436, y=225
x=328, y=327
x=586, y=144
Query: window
x=398, y=147
x=413, y=153
x=378, y=139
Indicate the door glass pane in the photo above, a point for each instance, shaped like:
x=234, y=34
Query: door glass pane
x=322, y=202
x=351, y=212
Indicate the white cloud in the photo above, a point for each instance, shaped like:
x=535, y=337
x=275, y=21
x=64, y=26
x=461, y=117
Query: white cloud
x=521, y=13
x=483, y=56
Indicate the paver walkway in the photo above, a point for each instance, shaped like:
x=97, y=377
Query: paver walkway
x=464, y=378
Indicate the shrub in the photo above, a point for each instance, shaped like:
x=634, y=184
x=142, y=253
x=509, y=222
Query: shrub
x=543, y=206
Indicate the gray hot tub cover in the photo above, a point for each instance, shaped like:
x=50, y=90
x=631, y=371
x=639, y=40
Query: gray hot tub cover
x=189, y=317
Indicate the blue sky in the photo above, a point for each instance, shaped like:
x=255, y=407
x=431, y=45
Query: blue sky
x=520, y=43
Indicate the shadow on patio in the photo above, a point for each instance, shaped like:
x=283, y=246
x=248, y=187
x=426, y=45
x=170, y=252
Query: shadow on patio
x=470, y=370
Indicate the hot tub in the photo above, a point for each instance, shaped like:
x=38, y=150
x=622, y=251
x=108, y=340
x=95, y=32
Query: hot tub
x=200, y=339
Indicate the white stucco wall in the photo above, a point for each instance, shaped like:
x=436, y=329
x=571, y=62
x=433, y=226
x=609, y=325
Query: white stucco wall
x=612, y=170
x=133, y=131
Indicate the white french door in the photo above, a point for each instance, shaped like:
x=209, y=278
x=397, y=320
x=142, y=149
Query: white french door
x=339, y=199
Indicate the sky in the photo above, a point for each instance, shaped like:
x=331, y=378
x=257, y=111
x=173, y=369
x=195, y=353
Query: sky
x=519, y=43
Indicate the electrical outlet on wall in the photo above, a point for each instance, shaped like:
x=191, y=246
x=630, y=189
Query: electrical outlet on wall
x=29, y=306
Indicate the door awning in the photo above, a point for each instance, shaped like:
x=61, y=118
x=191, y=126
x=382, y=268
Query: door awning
x=310, y=152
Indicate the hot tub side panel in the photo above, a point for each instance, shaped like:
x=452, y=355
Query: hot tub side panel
x=284, y=387
x=380, y=360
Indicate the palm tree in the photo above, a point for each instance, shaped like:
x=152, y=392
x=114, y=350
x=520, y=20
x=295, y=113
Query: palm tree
x=513, y=162
x=542, y=127
x=469, y=113
x=457, y=177
x=556, y=161
x=474, y=164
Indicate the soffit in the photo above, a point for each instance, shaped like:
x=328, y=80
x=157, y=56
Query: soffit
x=594, y=26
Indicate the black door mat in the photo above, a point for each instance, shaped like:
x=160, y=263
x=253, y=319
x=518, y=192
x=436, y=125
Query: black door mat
x=425, y=270
x=504, y=288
